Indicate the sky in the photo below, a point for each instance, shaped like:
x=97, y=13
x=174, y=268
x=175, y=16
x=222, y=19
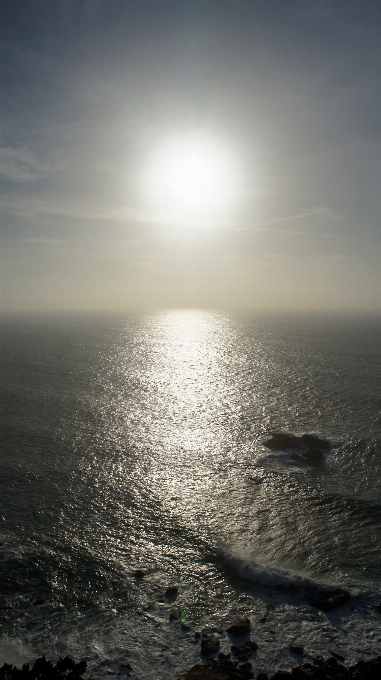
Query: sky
x=190, y=153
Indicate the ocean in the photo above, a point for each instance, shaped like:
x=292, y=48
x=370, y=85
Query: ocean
x=137, y=443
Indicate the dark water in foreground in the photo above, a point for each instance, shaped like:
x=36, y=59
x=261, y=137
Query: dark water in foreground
x=137, y=442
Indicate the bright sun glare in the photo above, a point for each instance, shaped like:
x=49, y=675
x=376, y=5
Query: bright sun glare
x=191, y=181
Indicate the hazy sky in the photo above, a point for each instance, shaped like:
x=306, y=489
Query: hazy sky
x=211, y=153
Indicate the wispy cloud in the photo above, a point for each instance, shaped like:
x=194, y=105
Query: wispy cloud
x=286, y=219
x=19, y=165
x=36, y=207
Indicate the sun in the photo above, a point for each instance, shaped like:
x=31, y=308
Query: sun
x=191, y=180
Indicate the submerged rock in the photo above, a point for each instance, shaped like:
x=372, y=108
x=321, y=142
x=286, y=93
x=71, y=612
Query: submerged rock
x=172, y=592
x=295, y=649
x=330, y=601
x=174, y=615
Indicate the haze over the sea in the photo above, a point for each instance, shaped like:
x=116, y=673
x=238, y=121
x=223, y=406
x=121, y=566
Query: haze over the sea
x=191, y=154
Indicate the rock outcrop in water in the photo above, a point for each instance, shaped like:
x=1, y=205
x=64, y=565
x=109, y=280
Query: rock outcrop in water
x=330, y=601
x=311, y=447
x=240, y=627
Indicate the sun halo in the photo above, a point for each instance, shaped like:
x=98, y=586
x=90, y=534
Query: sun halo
x=190, y=181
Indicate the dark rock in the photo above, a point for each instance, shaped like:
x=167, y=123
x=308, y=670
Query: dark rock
x=240, y=627
x=223, y=656
x=245, y=666
x=238, y=650
x=366, y=670
x=315, y=442
x=327, y=669
x=172, y=592
x=330, y=601
x=197, y=634
x=306, y=671
x=318, y=661
x=243, y=658
x=336, y=654
x=139, y=573
x=126, y=667
x=199, y=672
x=251, y=645
x=37, y=603
x=295, y=649
x=298, y=457
x=308, y=443
x=379, y=608
x=313, y=455
x=281, y=441
x=209, y=645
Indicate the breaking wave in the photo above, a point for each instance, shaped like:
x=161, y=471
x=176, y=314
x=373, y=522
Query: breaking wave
x=274, y=577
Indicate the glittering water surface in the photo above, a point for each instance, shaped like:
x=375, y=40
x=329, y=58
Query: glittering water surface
x=138, y=443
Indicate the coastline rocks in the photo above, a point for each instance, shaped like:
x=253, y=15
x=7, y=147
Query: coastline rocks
x=218, y=670
x=209, y=646
x=311, y=447
x=239, y=628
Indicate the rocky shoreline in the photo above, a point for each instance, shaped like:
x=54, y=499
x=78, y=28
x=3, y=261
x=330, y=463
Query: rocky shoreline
x=236, y=665
x=320, y=669
x=215, y=664
x=233, y=666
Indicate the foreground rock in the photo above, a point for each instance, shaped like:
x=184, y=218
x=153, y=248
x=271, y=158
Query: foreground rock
x=209, y=646
x=320, y=669
x=311, y=448
x=239, y=628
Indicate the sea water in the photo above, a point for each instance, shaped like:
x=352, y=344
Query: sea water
x=137, y=442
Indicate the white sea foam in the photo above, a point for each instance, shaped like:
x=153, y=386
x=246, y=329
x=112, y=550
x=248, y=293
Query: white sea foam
x=15, y=653
x=269, y=576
